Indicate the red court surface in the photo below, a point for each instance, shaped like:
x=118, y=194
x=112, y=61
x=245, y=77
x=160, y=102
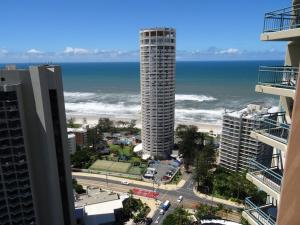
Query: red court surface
x=145, y=193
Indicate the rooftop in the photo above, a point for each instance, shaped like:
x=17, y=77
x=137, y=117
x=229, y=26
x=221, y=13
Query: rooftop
x=252, y=111
x=94, y=196
x=71, y=135
x=76, y=130
x=157, y=29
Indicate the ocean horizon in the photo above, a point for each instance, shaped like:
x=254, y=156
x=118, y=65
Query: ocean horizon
x=204, y=89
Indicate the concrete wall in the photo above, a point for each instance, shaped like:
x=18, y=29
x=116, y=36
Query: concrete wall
x=290, y=197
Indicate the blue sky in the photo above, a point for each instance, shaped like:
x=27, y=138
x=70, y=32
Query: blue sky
x=107, y=30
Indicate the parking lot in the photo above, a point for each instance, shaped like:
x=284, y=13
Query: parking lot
x=164, y=171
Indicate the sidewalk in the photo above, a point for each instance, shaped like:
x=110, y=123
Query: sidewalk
x=142, y=183
x=218, y=200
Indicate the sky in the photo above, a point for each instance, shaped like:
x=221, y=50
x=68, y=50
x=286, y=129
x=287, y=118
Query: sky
x=108, y=30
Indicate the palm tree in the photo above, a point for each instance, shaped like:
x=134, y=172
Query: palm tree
x=182, y=216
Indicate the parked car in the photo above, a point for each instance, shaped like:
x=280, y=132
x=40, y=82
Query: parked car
x=161, y=211
x=166, y=178
x=125, y=182
x=148, y=221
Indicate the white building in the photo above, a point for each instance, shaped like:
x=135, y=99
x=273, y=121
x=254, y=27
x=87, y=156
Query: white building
x=72, y=143
x=98, y=207
x=157, y=70
x=237, y=147
x=81, y=135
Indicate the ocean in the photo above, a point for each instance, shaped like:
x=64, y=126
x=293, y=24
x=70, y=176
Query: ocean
x=203, y=89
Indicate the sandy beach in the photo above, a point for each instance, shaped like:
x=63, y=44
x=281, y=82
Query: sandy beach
x=202, y=127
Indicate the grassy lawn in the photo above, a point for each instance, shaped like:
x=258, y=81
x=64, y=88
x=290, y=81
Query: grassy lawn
x=176, y=178
x=125, y=151
x=135, y=170
x=118, y=167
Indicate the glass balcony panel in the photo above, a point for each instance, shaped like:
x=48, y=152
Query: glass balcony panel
x=268, y=172
x=273, y=125
x=283, y=19
x=282, y=77
x=262, y=214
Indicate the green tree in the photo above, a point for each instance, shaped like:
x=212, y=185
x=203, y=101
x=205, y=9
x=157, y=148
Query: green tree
x=120, y=123
x=77, y=187
x=180, y=216
x=132, y=123
x=84, y=158
x=71, y=122
x=235, y=186
x=204, y=162
x=134, y=209
x=201, y=169
x=80, y=159
x=206, y=212
x=105, y=125
x=169, y=220
x=188, y=143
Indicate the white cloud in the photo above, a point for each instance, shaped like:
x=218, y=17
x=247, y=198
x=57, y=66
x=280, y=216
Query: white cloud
x=214, y=53
x=229, y=51
x=76, y=51
x=3, y=52
x=72, y=54
x=34, y=51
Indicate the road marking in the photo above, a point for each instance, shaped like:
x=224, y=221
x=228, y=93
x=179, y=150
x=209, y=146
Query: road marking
x=157, y=220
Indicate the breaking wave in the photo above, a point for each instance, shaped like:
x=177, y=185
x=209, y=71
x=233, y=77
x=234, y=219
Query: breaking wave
x=122, y=105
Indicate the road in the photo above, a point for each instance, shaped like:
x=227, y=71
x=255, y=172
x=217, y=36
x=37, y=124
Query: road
x=190, y=200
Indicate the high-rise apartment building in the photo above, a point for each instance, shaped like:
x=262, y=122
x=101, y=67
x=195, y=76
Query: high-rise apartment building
x=35, y=176
x=237, y=147
x=281, y=81
x=157, y=60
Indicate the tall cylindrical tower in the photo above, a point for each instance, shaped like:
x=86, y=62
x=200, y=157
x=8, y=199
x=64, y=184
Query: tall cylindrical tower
x=157, y=69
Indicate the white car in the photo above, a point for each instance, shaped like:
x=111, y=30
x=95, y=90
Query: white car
x=161, y=212
x=125, y=182
x=179, y=199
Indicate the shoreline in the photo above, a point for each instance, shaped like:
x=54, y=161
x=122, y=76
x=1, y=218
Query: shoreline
x=93, y=119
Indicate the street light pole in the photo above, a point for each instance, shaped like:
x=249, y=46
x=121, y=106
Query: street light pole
x=106, y=178
x=107, y=175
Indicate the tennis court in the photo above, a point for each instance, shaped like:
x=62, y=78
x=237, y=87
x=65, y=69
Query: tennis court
x=104, y=165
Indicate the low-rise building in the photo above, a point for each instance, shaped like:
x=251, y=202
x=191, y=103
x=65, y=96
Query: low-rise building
x=98, y=207
x=80, y=135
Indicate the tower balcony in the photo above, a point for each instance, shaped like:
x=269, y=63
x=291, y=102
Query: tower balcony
x=257, y=214
x=267, y=175
x=282, y=25
x=273, y=131
x=281, y=81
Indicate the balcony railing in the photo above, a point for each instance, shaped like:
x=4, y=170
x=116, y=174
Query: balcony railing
x=282, y=77
x=268, y=172
x=262, y=215
x=283, y=19
x=274, y=126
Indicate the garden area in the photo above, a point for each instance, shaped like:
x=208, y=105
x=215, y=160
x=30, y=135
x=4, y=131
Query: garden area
x=200, y=159
x=120, y=157
x=134, y=209
x=235, y=187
